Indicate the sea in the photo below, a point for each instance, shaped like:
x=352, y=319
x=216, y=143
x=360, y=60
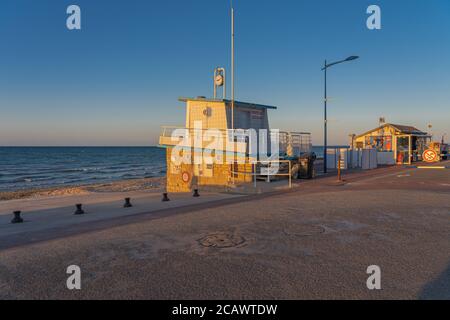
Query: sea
x=42, y=167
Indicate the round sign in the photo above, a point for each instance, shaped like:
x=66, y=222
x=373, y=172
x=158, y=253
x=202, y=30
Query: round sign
x=185, y=176
x=430, y=155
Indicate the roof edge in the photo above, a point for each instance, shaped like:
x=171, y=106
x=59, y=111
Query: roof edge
x=419, y=132
x=242, y=103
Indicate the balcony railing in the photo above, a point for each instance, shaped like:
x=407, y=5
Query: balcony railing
x=290, y=143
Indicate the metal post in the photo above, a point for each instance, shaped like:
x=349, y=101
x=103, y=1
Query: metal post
x=214, y=81
x=232, y=68
x=409, y=149
x=290, y=175
x=339, y=165
x=232, y=85
x=254, y=174
x=224, y=83
x=325, y=123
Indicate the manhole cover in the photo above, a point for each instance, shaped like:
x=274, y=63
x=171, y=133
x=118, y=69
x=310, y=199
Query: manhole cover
x=221, y=240
x=303, y=230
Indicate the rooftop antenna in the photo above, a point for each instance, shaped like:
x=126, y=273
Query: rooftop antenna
x=232, y=65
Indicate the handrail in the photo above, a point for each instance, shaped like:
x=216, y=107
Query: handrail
x=254, y=174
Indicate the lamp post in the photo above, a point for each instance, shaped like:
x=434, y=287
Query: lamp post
x=326, y=66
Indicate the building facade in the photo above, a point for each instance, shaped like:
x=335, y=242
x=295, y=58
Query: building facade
x=207, y=132
x=406, y=143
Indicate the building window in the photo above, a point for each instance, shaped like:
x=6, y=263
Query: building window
x=381, y=143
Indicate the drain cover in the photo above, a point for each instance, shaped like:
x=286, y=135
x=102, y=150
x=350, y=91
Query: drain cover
x=303, y=230
x=221, y=240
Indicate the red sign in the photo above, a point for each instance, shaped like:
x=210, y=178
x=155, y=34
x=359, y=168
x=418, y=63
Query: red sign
x=185, y=176
x=430, y=155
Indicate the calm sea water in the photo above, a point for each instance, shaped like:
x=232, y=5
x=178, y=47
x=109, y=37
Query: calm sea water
x=38, y=167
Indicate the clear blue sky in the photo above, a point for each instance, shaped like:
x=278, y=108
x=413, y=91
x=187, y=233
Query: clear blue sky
x=116, y=81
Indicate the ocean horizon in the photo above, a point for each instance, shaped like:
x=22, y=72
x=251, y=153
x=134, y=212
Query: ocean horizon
x=35, y=167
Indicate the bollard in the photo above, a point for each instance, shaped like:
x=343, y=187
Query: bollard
x=127, y=203
x=196, y=194
x=165, y=197
x=17, y=218
x=79, y=209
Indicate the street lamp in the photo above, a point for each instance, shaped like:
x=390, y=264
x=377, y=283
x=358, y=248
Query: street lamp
x=326, y=66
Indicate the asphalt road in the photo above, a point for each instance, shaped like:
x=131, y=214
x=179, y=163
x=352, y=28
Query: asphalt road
x=314, y=243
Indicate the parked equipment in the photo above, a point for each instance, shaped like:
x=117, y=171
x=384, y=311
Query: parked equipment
x=306, y=166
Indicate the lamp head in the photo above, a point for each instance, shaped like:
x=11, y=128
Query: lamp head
x=352, y=58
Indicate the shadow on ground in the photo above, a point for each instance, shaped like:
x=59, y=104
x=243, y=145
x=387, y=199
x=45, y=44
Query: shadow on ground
x=438, y=289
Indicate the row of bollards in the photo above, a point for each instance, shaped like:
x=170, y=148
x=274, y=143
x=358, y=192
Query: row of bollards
x=165, y=197
x=79, y=207
x=80, y=210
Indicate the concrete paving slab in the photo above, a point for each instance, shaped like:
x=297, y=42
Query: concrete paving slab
x=58, y=212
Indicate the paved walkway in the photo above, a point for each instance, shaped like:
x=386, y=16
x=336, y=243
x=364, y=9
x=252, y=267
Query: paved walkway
x=51, y=217
x=314, y=242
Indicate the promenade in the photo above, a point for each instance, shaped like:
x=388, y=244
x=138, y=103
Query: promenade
x=313, y=242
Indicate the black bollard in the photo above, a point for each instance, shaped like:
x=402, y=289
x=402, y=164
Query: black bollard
x=79, y=209
x=127, y=203
x=196, y=194
x=165, y=197
x=17, y=218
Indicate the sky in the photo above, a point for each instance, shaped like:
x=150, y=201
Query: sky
x=117, y=80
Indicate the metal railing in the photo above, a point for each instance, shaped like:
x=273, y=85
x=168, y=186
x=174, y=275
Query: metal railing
x=255, y=174
x=295, y=143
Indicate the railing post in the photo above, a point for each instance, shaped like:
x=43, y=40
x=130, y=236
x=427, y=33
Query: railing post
x=290, y=175
x=254, y=174
x=339, y=165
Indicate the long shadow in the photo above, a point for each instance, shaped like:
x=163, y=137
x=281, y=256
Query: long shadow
x=439, y=288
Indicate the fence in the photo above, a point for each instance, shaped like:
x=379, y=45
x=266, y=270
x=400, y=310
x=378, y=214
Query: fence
x=295, y=143
x=360, y=158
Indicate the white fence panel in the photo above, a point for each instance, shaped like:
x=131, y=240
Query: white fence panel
x=369, y=159
x=386, y=158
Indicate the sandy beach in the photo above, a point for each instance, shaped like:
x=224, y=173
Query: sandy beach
x=117, y=186
x=144, y=184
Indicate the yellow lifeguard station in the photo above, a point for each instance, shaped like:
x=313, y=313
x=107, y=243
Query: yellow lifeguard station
x=208, y=134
